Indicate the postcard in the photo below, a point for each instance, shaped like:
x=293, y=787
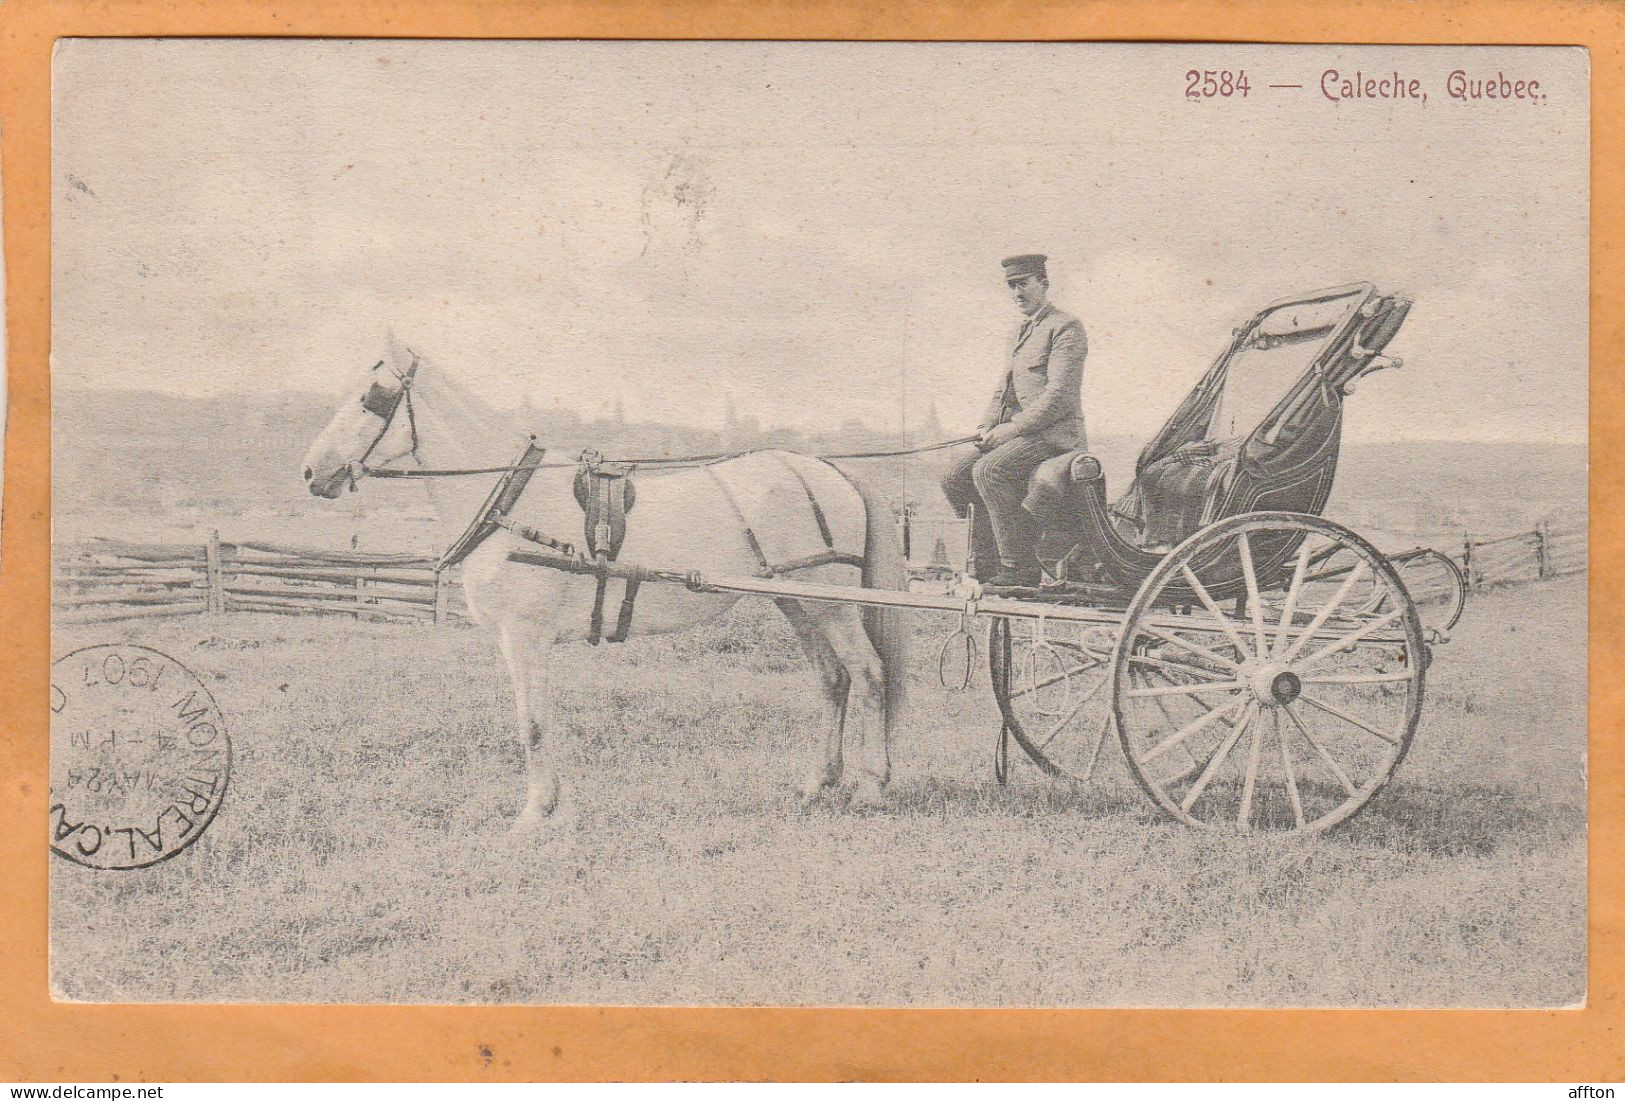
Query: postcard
x=819, y=524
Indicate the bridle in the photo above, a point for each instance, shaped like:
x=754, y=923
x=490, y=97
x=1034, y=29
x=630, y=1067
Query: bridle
x=384, y=403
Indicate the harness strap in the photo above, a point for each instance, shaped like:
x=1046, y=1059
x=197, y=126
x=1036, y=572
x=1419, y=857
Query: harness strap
x=624, y=623
x=531, y=535
x=744, y=524
x=595, y=626
x=822, y=558
x=818, y=513
x=605, y=493
x=494, y=513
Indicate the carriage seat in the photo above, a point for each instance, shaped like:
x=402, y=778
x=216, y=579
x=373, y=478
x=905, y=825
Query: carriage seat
x=1050, y=489
x=1169, y=500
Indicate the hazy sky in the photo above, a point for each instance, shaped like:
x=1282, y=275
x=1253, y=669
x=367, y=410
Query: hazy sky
x=814, y=228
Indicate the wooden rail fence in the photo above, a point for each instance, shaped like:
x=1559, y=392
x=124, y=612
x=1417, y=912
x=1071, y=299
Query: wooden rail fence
x=1537, y=555
x=106, y=580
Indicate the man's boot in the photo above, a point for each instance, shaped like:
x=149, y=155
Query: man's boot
x=1018, y=563
x=984, y=549
x=1017, y=576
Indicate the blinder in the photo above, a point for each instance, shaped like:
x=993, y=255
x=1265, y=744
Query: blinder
x=381, y=401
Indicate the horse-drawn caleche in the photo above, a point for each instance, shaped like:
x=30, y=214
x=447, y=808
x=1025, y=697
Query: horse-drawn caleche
x=1263, y=667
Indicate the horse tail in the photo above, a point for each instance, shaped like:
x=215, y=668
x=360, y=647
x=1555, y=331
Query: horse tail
x=889, y=629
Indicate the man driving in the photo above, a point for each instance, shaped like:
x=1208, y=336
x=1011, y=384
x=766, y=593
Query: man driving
x=1036, y=413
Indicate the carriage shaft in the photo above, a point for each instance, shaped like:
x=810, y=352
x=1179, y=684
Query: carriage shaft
x=1332, y=630
x=785, y=589
x=924, y=602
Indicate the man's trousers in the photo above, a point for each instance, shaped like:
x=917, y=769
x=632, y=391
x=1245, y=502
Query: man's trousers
x=995, y=482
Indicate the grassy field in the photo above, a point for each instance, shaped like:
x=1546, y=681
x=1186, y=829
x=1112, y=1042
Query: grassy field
x=361, y=852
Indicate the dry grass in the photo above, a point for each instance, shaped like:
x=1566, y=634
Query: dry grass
x=361, y=853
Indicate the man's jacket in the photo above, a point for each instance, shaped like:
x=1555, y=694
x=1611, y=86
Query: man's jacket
x=1042, y=392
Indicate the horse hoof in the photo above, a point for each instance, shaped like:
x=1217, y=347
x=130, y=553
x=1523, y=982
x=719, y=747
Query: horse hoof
x=548, y=835
x=868, y=795
x=536, y=819
x=812, y=791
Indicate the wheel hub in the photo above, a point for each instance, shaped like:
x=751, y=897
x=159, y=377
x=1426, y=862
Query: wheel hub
x=1274, y=685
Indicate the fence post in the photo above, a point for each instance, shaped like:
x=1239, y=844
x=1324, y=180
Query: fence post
x=216, y=603
x=1543, y=569
x=441, y=588
x=1467, y=561
x=908, y=535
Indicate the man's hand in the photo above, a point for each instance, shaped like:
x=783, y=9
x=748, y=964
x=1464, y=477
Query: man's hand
x=995, y=436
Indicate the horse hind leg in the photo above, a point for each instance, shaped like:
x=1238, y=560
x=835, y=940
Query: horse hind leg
x=834, y=682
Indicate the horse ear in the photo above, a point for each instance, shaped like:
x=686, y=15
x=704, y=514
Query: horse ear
x=397, y=356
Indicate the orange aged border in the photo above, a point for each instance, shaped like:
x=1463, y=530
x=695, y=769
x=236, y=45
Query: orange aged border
x=42, y=1041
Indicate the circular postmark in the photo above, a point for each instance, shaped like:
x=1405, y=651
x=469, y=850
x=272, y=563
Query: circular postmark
x=140, y=756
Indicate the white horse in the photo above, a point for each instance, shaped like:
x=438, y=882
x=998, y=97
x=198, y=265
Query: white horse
x=685, y=519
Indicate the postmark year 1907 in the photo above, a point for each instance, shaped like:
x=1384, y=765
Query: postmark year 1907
x=140, y=756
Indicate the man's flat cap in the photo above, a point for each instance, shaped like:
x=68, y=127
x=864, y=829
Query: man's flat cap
x=1019, y=267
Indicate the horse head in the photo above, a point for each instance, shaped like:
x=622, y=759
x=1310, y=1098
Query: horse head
x=356, y=435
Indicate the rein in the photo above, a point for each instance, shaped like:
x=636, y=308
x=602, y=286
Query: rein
x=655, y=462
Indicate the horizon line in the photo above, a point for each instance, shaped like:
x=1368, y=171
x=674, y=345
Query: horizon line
x=765, y=427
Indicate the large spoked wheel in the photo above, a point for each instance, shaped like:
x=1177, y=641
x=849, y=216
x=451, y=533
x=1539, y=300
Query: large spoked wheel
x=1252, y=691
x=1051, y=681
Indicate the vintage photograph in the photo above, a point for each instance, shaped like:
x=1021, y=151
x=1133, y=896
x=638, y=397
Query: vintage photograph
x=819, y=524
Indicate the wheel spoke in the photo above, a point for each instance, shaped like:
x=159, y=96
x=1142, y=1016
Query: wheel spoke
x=1346, y=717
x=1186, y=689
x=1072, y=714
x=1337, y=769
x=1161, y=702
x=1291, y=598
x=1349, y=639
x=1059, y=644
x=1291, y=777
x=1326, y=610
x=1100, y=739
x=1164, y=665
x=1213, y=610
x=1054, y=680
x=1359, y=678
x=1324, y=554
x=1187, y=644
x=1191, y=728
x=1255, y=744
x=1219, y=755
x=1244, y=551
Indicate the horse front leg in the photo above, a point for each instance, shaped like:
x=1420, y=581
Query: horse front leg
x=529, y=664
x=834, y=685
